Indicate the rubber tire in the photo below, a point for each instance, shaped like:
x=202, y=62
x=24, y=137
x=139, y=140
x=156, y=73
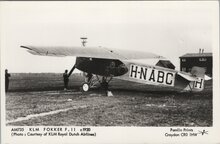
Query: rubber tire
x=85, y=87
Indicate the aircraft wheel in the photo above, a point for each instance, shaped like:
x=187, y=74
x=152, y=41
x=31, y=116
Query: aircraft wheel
x=85, y=87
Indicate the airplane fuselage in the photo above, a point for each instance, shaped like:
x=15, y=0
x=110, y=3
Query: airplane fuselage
x=152, y=75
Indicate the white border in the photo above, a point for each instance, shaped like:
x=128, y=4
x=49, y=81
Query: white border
x=127, y=134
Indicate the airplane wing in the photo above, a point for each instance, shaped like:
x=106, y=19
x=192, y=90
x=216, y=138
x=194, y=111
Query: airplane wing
x=94, y=52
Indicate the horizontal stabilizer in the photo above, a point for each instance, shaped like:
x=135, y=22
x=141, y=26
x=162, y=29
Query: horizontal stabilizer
x=207, y=77
x=187, y=77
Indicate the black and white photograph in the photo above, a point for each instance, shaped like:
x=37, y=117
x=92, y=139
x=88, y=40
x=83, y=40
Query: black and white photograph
x=74, y=68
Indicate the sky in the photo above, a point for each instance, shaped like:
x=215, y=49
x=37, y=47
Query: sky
x=169, y=28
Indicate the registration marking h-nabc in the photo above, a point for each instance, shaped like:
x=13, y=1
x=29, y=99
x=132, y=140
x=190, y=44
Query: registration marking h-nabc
x=152, y=75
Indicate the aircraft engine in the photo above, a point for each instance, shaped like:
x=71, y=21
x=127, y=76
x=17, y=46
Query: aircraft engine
x=122, y=69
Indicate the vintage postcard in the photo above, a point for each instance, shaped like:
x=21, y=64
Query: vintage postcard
x=109, y=72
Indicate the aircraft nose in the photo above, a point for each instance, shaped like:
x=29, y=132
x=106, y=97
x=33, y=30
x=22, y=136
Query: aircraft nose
x=122, y=69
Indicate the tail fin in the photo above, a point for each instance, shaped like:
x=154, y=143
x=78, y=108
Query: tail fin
x=198, y=71
x=198, y=84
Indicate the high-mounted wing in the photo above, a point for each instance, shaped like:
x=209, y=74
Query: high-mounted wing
x=161, y=62
x=94, y=52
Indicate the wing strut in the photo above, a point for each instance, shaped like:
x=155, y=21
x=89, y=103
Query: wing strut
x=71, y=71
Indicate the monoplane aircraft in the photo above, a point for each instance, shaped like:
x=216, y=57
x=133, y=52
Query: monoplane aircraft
x=136, y=66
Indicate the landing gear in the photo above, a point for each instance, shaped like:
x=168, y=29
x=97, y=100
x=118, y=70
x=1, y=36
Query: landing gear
x=85, y=87
x=92, y=81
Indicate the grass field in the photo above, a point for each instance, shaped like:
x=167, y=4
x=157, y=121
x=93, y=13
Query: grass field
x=132, y=104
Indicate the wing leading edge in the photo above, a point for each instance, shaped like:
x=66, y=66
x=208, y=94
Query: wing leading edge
x=93, y=52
